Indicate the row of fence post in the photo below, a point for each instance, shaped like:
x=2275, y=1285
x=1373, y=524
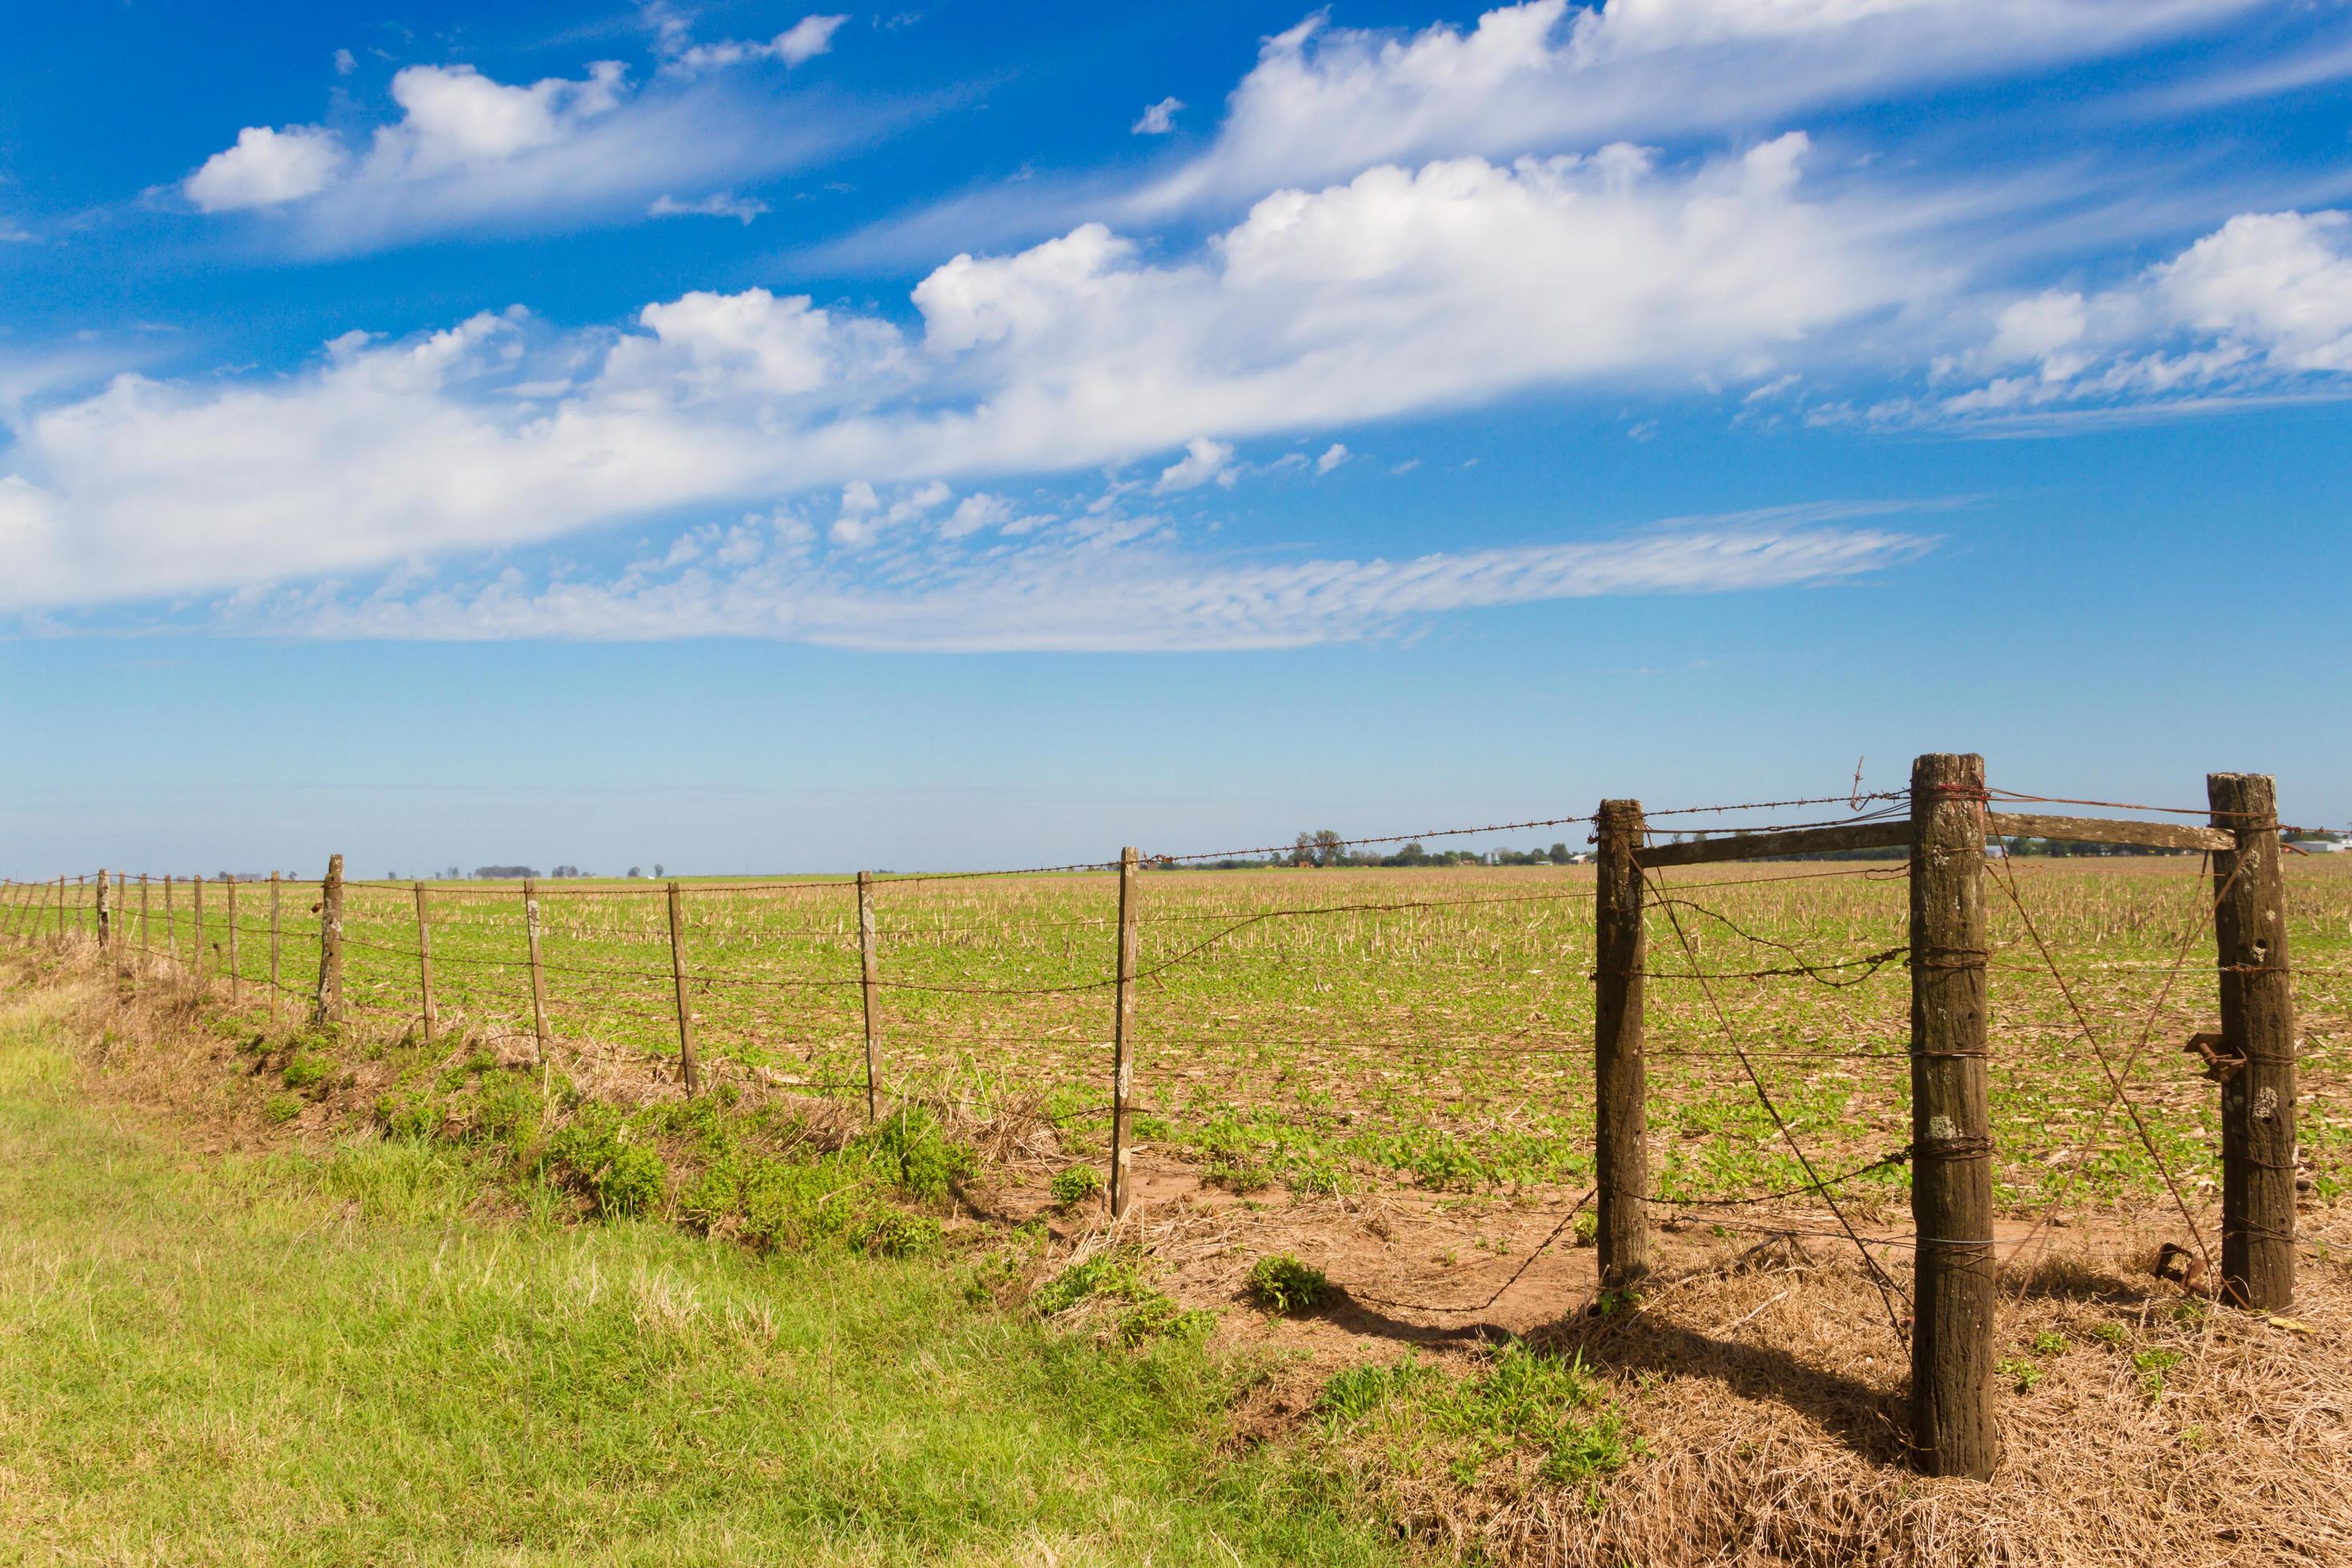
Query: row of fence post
x=1951, y=1147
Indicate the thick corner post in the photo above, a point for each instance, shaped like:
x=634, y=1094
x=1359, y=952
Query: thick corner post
x=677, y=987
x=2258, y=1088
x=1122, y=1045
x=327, y=1007
x=1952, y=1427
x=1620, y=954
x=869, y=974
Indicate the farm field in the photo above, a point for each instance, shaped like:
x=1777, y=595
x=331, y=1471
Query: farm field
x=1349, y=1030
x=1379, y=1078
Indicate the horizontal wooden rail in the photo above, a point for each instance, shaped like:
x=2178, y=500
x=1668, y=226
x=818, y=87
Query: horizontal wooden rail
x=2107, y=831
x=1764, y=846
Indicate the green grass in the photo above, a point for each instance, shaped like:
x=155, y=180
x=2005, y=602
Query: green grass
x=339, y=1359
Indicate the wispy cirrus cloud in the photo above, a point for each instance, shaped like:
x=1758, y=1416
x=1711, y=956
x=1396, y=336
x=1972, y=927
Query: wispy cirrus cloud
x=1104, y=582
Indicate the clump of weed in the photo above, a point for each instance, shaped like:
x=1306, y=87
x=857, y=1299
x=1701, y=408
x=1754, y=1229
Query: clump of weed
x=894, y=1233
x=307, y=1071
x=1238, y=1176
x=281, y=1108
x=1074, y=1185
x=2151, y=1365
x=2048, y=1342
x=1283, y=1286
x=2022, y=1372
x=1115, y=1274
x=412, y=1115
x=923, y=1159
x=1156, y=1316
x=1585, y=1227
x=623, y=1178
x=1527, y=1399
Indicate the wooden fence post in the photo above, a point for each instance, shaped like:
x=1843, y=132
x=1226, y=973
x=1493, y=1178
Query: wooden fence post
x=171, y=923
x=327, y=1006
x=869, y=971
x=1122, y=1045
x=538, y=972
x=1952, y=1427
x=1620, y=951
x=2258, y=1096
x=235, y=993
x=103, y=915
x=275, y=991
x=424, y=960
x=121, y=909
x=678, y=986
x=196, y=918
x=61, y=911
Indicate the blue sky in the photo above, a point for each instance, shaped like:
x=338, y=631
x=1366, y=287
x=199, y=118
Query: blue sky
x=752, y=439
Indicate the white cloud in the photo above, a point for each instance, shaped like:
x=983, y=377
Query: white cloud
x=467, y=150
x=1402, y=290
x=802, y=41
x=976, y=511
x=345, y=62
x=1323, y=102
x=268, y=168
x=1333, y=456
x=454, y=115
x=1158, y=119
x=2259, y=305
x=1203, y=461
x=719, y=203
x=1121, y=585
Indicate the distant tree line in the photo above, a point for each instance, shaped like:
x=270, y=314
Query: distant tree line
x=1324, y=848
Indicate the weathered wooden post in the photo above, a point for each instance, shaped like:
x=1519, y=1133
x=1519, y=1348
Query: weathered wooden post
x=2258, y=1094
x=275, y=989
x=424, y=960
x=61, y=910
x=104, y=920
x=196, y=918
x=326, y=1008
x=678, y=986
x=538, y=970
x=1952, y=1429
x=869, y=971
x=1621, y=949
x=235, y=991
x=1122, y=1044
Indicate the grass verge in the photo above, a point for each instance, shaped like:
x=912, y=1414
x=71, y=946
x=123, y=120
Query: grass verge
x=341, y=1358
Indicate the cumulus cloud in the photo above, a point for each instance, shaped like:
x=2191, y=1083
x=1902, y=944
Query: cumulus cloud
x=1333, y=456
x=1323, y=102
x=268, y=168
x=1158, y=119
x=1400, y=290
x=802, y=41
x=1203, y=461
x=467, y=150
x=2262, y=302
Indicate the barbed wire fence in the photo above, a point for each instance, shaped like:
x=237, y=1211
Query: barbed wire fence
x=1429, y=1032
